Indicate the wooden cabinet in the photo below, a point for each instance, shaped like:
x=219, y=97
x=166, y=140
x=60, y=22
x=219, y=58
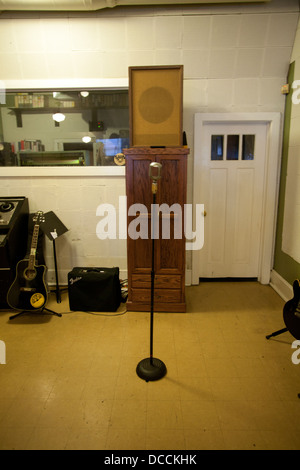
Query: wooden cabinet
x=169, y=252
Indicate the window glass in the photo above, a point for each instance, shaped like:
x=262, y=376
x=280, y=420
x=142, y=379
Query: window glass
x=248, y=147
x=217, y=144
x=232, y=147
x=54, y=128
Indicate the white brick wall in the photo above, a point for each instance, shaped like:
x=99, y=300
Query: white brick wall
x=235, y=60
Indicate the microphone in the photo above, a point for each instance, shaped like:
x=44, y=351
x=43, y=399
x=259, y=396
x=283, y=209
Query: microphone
x=155, y=177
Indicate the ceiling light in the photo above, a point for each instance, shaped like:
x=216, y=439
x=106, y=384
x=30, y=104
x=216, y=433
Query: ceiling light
x=58, y=117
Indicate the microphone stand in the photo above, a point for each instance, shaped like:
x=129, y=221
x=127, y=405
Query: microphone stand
x=151, y=368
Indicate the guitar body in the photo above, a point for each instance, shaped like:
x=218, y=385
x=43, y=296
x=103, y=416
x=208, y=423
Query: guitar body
x=291, y=312
x=28, y=291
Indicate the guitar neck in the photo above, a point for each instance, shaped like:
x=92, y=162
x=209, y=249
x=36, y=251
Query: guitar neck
x=33, y=247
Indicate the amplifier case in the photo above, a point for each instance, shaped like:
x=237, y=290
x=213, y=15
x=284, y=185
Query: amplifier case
x=94, y=289
x=13, y=241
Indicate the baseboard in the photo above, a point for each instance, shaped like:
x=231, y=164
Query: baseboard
x=281, y=286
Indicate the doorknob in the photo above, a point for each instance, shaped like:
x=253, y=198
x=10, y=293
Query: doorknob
x=204, y=213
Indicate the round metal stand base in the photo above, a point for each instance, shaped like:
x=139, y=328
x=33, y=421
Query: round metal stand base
x=151, y=370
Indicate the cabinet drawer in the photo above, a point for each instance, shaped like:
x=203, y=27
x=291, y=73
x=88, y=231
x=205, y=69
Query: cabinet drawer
x=160, y=295
x=162, y=281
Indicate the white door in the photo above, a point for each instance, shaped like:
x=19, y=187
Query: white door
x=229, y=176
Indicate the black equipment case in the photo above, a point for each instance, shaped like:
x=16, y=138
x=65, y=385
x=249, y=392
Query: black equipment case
x=94, y=289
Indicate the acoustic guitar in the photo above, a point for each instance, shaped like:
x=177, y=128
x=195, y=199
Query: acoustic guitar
x=28, y=291
x=291, y=312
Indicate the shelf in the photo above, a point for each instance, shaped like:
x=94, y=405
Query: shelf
x=46, y=110
x=28, y=158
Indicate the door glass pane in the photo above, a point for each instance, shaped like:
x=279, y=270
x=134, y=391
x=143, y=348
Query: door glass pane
x=233, y=147
x=217, y=142
x=248, y=147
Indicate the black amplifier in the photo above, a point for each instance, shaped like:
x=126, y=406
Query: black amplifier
x=94, y=289
x=14, y=213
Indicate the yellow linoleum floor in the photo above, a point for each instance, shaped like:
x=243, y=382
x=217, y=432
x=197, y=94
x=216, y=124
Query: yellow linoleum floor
x=71, y=383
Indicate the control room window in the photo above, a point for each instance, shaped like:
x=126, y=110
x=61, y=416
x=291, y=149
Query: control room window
x=64, y=128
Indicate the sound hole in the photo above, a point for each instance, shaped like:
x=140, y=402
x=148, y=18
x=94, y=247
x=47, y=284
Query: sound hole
x=156, y=104
x=29, y=274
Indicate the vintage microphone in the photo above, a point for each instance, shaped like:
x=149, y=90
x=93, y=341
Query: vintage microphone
x=151, y=368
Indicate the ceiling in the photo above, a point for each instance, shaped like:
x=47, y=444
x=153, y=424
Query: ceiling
x=93, y=5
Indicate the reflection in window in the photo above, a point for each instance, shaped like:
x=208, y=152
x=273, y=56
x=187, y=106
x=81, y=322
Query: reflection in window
x=217, y=143
x=248, y=147
x=94, y=130
x=233, y=147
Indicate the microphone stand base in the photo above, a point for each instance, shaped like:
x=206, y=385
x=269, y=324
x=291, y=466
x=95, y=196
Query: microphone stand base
x=151, y=369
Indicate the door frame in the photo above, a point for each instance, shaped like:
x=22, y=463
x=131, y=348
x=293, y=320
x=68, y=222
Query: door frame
x=273, y=122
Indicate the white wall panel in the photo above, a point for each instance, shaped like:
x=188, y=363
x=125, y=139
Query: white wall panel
x=235, y=59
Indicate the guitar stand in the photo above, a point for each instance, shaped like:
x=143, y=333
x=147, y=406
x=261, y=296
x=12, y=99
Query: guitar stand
x=276, y=333
x=57, y=290
x=36, y=311
x=54, y=228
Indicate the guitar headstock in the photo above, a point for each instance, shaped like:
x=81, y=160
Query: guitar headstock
x=38, y=217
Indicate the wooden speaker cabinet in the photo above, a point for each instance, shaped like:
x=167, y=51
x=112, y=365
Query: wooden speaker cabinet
x=169, y=253
x=155, y=105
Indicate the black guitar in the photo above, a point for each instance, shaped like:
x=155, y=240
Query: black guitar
x=291, y=312
x=28, y=291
